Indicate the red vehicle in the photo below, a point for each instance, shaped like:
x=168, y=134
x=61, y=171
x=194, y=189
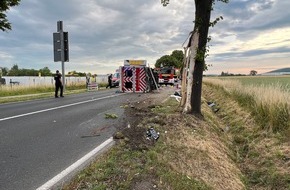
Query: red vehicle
x=166, y=75
x=116, y=79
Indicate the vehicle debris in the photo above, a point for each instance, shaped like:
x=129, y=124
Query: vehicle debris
x=213, y=107
x=152, y=134
x=176, y=95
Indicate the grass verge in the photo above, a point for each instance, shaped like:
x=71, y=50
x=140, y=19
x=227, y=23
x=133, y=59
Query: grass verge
x=188, y=155
x=269, y=104
x=262, y=155
x=24, y=93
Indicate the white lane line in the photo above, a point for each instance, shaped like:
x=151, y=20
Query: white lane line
x=55, y=108
x=75, y=166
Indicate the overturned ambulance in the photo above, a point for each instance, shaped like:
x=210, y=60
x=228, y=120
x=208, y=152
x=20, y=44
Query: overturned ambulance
x=137, y=76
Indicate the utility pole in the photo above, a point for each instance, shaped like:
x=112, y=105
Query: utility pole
x=60, y=46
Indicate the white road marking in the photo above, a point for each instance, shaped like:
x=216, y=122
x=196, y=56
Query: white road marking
x=55, y=108
x=59, y=178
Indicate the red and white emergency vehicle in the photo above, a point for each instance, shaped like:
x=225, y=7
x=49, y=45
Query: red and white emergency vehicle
x=166, y=75
x=136, y=76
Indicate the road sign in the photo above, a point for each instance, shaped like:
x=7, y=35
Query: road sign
x=65, y=46
x=56, y=47
x=60, y=43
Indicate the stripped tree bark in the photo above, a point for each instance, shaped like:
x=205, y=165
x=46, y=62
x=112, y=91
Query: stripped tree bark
x=184, y=77
x=193, y=50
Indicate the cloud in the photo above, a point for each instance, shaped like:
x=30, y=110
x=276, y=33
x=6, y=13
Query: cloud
x=103, y=33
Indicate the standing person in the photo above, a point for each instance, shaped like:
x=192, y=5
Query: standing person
x=58, y=84
x=87, y=80
x=109, y=81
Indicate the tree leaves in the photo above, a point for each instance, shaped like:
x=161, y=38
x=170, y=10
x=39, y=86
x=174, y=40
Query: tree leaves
x=4, y=6
x=173, y=60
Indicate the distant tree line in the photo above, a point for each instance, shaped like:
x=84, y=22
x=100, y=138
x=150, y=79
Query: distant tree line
x=75, y=73
x=252, y=73
x=231, y=74
x=16, y=71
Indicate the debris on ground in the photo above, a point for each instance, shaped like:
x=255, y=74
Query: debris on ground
x=152, y=134
x=226, y=129
x=110, y=116
x=118, y=135
x=124, y=106
x=176, y=95
x=213, y=106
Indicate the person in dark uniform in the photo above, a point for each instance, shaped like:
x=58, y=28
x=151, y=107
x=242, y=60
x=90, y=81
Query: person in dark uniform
x=109, y=81
x=58, y=84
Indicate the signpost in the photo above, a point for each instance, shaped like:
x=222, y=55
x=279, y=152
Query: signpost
x=60, y=48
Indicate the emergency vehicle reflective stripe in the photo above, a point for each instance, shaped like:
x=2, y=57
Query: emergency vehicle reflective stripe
x=142, y=80
x=126, y=79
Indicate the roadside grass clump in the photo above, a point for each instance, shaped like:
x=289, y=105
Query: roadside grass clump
x=111, y=116
x=102, y=84
x=168, y=106
x=76, y=86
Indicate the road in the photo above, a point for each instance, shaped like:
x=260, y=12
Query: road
x=39, y=139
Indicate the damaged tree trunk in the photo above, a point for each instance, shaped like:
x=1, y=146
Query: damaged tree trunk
x=192, y=49
x=197, y=45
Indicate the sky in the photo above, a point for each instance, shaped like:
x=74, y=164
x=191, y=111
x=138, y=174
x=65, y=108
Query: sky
x=253, y=35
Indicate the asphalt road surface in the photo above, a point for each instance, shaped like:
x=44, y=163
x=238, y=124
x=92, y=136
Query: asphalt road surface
x=39, y=139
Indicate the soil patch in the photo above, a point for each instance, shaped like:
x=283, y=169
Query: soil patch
x=134, y=134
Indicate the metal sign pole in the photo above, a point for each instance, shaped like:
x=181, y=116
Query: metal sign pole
x=60, y=30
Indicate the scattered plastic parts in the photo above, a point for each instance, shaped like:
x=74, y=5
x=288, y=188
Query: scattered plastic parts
x=215, y=110
x=176, y=97
x=177, y=93
x=213, y=106
x=210, y=104
x=152, y=134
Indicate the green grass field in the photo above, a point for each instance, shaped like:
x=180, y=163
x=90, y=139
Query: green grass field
x=282, y=81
